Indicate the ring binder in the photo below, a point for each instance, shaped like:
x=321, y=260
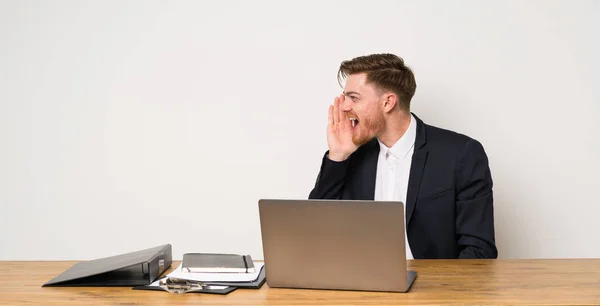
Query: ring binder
x=131, y=269
x=178, y=286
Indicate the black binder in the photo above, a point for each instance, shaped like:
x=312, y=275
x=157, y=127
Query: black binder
x=131, y=269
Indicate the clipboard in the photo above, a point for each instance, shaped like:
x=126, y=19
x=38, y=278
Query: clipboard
x=205, y=287
x=188, y=288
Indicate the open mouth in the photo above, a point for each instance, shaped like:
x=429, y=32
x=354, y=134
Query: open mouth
x=353, y=122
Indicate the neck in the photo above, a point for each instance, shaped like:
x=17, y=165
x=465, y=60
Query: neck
x=396, y=125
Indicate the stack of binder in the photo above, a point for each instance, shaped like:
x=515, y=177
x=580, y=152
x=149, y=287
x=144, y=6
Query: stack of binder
x=144, y=269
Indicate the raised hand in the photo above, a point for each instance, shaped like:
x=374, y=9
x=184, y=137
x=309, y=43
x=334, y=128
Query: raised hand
x=339, y=132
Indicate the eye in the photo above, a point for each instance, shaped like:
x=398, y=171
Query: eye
x=354, y=98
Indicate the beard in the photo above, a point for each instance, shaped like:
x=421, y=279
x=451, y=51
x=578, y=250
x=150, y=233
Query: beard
x=368, y=128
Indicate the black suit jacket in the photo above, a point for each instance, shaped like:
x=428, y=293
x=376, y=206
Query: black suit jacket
x=449, y=204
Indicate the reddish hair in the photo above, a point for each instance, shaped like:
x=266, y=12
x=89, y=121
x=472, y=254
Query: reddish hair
x=386, y=71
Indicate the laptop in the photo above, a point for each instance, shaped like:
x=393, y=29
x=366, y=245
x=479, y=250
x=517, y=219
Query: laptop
x=334, y=244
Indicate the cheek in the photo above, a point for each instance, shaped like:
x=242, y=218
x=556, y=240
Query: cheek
x=369, y=116
x=373, y=120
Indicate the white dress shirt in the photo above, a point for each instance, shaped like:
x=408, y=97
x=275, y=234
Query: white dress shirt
x=393, y=170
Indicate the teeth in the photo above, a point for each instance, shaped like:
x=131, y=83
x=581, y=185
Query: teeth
x=353, y=120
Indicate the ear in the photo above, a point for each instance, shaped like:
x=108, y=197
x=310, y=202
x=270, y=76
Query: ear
x=389, y=102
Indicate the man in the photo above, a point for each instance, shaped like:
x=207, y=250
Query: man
x=380, y=150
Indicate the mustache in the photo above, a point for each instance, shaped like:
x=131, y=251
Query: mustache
x=353, y=115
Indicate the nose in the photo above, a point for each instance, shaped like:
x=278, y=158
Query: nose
x=346, y=106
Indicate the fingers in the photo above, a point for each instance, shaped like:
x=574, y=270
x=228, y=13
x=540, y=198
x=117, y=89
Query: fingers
x=336, y=111
x=330, y=117
x=341, y=114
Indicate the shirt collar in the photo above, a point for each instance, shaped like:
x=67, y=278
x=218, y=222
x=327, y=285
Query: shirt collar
x=403, y=146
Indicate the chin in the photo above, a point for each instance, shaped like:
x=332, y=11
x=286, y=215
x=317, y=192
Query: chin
x=361, y=140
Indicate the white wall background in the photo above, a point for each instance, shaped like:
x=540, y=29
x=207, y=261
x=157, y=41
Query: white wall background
x=129, y=124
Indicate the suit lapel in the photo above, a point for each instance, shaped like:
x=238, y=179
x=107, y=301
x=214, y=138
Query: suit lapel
x=414, y=181
x=369, y=176
x=416, y=170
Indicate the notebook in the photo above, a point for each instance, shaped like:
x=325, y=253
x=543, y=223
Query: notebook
x=217, y=263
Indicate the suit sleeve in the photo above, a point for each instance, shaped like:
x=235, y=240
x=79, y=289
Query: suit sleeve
x=331, y=179
x=475, y=204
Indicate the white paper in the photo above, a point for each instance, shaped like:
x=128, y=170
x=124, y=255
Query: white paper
x=218, y=277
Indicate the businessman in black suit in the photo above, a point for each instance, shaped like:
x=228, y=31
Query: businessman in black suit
x=380, y=150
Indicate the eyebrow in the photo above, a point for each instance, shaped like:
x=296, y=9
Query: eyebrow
x=351, y=93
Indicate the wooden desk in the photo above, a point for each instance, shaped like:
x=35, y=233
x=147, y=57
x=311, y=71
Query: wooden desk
x=564, y=281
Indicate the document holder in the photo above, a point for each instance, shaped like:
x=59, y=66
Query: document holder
x=131, y=269
x=205, y=286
